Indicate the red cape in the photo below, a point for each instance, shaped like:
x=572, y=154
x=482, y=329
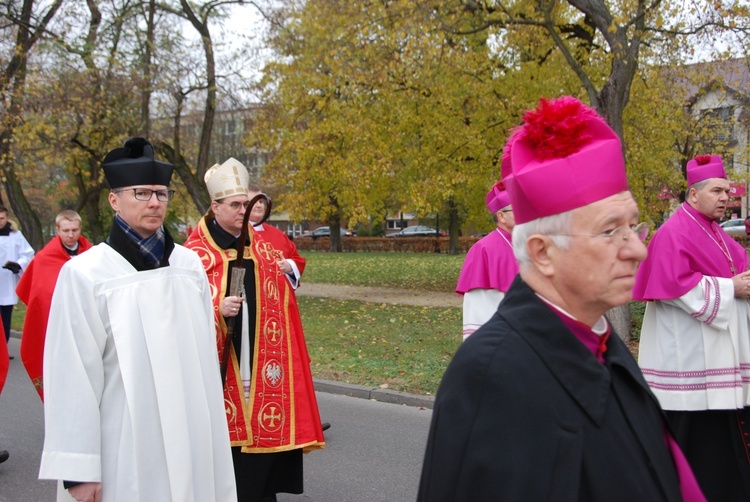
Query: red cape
x=35, y=289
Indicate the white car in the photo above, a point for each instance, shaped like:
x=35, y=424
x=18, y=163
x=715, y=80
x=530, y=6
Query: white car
x=735, y=226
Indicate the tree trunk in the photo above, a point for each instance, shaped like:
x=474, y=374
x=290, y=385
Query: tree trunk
x=334, y=224
x=12, y=82
x=88, y=202
x=619, y=318
x=454, y=227
x=147, y=79
x=194, y=185
x=204, y=150
x=27, y=218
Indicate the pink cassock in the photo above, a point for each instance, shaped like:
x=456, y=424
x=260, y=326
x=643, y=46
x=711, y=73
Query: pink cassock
x=489, y=264
x=682, y=251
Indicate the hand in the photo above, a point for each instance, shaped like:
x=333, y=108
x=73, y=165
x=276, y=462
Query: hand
x=231, y=305
x=742, y=285
x=284, y=264
x=87, y=492
x=12, y=266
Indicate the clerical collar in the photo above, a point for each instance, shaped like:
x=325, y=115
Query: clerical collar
x=593, y=338
x=600, y=327
x=224, y=239
x=71, y=251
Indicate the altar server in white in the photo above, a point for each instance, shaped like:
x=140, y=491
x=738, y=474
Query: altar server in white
x=133, y=399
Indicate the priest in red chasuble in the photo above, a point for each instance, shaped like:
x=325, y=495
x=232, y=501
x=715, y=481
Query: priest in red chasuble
x=37, y=284
x=270, y=400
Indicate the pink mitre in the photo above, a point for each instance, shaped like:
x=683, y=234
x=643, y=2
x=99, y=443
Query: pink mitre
x=563, y=157
x=497, y=197
x=704, y=167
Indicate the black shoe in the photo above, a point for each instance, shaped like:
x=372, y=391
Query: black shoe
x=11, y=357
x=325, y=426
x=4, y=455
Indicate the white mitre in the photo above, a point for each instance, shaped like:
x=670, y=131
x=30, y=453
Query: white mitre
x=227, y=179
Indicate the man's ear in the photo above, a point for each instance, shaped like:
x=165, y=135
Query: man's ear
x=692, y=195
x=113, y=202
x=541, y=252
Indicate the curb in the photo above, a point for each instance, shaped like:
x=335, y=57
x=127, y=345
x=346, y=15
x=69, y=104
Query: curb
x=374, y=393
x=360, y=391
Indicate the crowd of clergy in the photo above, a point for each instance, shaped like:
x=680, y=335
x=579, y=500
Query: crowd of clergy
x=181, y=373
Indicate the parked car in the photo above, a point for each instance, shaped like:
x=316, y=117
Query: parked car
x=417, y=231
x=735, y=226
x=326, y=232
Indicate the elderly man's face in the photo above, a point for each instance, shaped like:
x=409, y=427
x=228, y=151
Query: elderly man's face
x=711, y=200
x=143, y=216
x=594, y=274
x=69, y=232
x=229, y=212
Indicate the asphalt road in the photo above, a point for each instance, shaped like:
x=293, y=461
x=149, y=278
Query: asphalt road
x=374, y=449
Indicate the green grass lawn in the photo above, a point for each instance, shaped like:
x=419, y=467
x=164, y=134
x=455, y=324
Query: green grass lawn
x=422, y=271
x=400, y=347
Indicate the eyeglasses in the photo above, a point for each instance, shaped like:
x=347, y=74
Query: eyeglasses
x=506, y=210
x=236, y=205
x=144, y=194
x=620, y=235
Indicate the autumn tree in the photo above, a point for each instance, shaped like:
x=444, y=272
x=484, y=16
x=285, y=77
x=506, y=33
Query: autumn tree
x=24, y=25
x=593, y=33
x=373, y=103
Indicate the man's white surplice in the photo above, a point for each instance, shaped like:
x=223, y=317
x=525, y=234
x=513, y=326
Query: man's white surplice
x=133, y=396
x=695, y=349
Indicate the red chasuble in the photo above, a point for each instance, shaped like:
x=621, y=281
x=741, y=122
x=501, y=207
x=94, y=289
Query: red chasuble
x=35, y=289
x=282, y=411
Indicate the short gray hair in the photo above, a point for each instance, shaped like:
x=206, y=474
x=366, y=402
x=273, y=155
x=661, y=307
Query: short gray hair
x=699, y=185
x=550, y=226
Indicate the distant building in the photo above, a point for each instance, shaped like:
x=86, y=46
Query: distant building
x=718, y=94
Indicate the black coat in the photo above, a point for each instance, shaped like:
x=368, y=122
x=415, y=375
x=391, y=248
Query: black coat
x=525, y=412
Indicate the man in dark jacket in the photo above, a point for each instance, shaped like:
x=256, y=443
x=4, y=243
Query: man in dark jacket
x=545, y=402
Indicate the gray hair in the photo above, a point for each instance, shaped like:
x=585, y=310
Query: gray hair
x=550, y=226
x=700, y=185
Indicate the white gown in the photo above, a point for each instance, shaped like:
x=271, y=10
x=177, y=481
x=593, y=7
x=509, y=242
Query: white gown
x=695, y=350
x=133, y=396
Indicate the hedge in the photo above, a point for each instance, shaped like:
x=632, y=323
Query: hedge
x=395, y=244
